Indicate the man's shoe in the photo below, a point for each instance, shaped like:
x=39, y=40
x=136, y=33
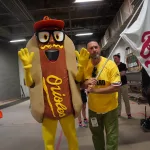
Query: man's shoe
x=129, y=116
x=80, y=124
x=85, y=123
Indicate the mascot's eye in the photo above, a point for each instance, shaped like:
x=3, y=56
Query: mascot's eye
x=43, y=36
x=59, y=36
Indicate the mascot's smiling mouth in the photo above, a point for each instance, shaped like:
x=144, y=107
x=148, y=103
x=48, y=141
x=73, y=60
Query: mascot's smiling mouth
x=52, y=54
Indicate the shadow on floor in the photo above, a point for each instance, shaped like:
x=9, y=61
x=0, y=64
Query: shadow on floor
x=130, y=132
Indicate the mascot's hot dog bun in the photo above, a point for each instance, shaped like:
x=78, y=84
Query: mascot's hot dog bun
x=55, y=94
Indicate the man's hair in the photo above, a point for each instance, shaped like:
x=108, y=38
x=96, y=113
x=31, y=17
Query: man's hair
x=91, y=41
x=117, y=55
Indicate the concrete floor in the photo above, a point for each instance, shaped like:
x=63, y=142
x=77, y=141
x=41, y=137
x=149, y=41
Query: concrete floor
x=19, y=131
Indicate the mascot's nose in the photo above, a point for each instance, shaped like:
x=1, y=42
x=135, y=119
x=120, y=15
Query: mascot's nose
x=52, y=55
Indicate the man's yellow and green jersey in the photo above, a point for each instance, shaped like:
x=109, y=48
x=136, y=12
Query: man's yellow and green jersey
x=102, y=103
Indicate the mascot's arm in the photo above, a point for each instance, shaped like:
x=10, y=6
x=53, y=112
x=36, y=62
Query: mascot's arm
x=28, y=78
x=26, y=59
x=83, y=59
x=80, y=73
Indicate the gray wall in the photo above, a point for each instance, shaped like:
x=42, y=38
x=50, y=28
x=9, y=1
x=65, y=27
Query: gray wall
x=9, y=72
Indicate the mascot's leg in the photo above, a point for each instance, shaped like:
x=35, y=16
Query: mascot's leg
x=49, y=130
x=68, y=126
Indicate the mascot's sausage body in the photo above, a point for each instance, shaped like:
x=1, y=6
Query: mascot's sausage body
x=50, y=67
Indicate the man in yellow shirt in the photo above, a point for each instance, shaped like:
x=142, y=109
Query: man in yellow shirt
x=102, y=98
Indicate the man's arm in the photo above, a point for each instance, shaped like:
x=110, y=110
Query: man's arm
x=107, y=90
x=115, y=82
x=123, y=72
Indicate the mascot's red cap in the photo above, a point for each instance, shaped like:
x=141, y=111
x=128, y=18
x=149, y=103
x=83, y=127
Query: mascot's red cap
x=47, y=22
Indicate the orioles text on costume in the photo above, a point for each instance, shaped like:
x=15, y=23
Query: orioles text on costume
x=55, y=82
x=51, y=45
x=48, y=97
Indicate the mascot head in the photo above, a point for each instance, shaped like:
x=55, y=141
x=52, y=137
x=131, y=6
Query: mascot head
x=50, y=37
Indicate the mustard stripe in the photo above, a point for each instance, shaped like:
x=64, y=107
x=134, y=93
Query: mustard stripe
x=48, y=98
x=50, y=46
x=56, y=45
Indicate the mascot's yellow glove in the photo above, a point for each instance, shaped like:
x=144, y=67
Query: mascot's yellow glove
x=83, y=59
x=26, y=59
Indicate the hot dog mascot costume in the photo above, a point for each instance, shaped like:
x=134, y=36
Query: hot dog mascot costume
x=49, y=64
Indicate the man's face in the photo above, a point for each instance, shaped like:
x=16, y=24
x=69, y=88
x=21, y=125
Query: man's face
x=116, y=59
x=94, y=49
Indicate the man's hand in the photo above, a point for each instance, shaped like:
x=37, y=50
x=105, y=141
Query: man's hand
x=92, y=81
x=89, y=82
x=91, y=89
x=122, y=73
x=26, y=58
